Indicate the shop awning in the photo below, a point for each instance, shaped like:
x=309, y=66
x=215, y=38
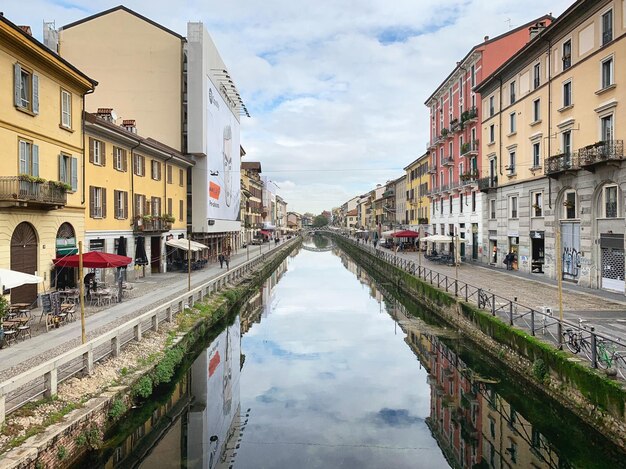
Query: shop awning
x=265, y=233
x=184, y=244
x=66, y=251
x=406, y=234
x=94, y=259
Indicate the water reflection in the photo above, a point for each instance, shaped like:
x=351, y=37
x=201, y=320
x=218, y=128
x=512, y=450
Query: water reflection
x=331, y=379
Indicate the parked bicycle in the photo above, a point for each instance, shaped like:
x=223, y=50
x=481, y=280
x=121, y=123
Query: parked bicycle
x=578, y=341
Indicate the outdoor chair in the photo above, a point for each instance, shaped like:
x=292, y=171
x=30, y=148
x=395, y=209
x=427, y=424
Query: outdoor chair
x=24, y=329
x=8, y=336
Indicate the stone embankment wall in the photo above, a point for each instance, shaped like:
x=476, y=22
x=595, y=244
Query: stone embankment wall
x=597, y=399
x=65, y=443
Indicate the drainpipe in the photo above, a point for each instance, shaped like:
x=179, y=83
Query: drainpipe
x=82, y=125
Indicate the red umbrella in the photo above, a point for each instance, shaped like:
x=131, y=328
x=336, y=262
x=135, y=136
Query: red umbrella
x=95, y=260
x=406, y=234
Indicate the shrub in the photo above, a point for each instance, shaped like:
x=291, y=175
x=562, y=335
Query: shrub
x=143, y=388
x=117, y=409
x=540, y=370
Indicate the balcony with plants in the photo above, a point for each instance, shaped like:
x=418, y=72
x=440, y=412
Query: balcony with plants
x=153, y=223
x=470, y=148
x=469, y=116
x=28, y=191
x=487, y=183
x=456, y=126
x=469, y=177
x=448, y=161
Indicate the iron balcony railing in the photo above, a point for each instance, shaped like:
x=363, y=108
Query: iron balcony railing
x=470, y=115
x=448, y=161
x=432, y=169
x=485, y=184
x=606, y=150
x=44, y=194
x=562, y=162
x=151, y=225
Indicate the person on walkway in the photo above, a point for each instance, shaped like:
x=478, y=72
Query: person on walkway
x=227, y=260
x=508, y=260
x=221, y=259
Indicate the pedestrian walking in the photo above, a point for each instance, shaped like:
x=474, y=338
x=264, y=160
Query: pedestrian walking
x=221, y=259
x=508, y=260
x=227, y=260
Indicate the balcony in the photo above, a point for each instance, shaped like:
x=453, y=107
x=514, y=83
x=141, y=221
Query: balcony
x=602, y=152
x=432, y=170
x=469, y=116
x=445, y=188
x=19, y=192
x=562, y=163
x=470, y=148
x=488, y=183
x=422, y=221
x=448, y=161
x=148, y=224
x=455, y=126
x=389, y=193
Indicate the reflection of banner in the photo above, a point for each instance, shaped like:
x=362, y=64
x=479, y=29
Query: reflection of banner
x=214, y=362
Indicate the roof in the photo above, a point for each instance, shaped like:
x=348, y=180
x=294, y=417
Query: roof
x=482, y=44
x=147, y=142
x=536, y=43
x=419, y=158
x=42, y=46
x=127, y=10
x=251, y=165
x=352, y=213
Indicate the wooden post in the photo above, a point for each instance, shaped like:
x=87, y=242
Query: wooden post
x=189, y=263
x=81, y=286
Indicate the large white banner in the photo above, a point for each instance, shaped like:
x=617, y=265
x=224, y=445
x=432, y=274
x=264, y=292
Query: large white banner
x=223, y=158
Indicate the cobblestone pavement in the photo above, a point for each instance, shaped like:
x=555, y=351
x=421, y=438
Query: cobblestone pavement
x=606, y=311
x=149, y=292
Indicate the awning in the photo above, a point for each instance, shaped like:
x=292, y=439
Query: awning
x=13, y=279
x=68, y=251
x=184, y=244
x=94, y=259
x=265, y=233
x=406, y=234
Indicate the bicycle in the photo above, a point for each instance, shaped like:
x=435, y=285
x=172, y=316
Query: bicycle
x=576, y=340
x=609, y=357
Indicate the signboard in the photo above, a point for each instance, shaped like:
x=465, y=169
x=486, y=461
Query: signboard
x=223, y=159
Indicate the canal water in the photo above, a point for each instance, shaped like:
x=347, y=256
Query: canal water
x=325, y=368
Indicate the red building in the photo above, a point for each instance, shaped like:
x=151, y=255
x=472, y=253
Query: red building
x=455, y=127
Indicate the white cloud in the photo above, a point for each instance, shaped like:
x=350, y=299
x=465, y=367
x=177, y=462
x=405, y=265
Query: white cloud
x=327, y=86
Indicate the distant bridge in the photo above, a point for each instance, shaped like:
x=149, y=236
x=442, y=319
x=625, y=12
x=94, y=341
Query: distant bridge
x=315, y=249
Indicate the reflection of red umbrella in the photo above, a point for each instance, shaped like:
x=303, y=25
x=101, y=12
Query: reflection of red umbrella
x=94, y=260
x=406, y=234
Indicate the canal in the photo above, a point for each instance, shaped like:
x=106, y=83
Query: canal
x=326, y=368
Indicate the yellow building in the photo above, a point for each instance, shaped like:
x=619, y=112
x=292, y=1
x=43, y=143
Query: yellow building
x=42, y=190
x=417, y=202
x=252, y=191
x=552, y=146
x=136, y=194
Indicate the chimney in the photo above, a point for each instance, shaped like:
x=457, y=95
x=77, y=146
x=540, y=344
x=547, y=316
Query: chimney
x=536, y=29
x=129, y=124
x=486, y=38
x=107, y=114
x=27, y=30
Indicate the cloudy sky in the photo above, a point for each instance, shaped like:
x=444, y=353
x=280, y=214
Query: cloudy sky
x=335, y=88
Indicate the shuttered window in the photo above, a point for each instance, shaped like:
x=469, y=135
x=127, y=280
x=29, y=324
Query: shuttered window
x=169, y=206
x=97, y=152
x=28, y=158
x=120, y=160
x=68, y=171
x=181, y=178
x=181, y=207
x=120, y=199
x=169, y=173
x=155, y=206
x=139, y=165
x=156, y=170
x=97, y=202
x=66, y=109
x=25, y=89
x=140, y=205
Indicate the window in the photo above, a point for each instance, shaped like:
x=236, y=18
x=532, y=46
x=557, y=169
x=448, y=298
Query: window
x=473, y=201
x=492, y=109
x=156, y=170
x=536, y=154
x=607, y=72
x=450, y=149
x=181, y=178
x=169, y=173
x=566, y=139
x=492, y=133
x=140, y=205
x=461, y=203
x=68, y=171
x=139, y=165
x=606, y=128
x=450, y=199
x=512, y=450
x=441, y=206
x=155, y=203
x=567, y=94
x=512, y=92
x=492, y=209
x=569, y=205
x=536, y=76
x=180, y=210
x=66, y=109
x=120, y=201
x=567, y=54
x=97, y=152
x=513, y=206
x=536, y=111
x=97, y=202
x=512, y=123
x=511, y=167
x=170, y=208
x=119, y=159
x=610, y=201
x=26, y=89
x=537, y=204
x=28, y=158
x=607, y=27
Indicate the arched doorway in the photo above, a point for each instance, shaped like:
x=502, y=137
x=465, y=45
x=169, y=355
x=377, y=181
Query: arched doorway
x=64, y=277
x=24, y=259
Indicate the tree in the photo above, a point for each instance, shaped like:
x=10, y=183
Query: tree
x=320, y=221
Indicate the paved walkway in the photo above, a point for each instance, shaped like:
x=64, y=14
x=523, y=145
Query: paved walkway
x=604, y=310
x=25, y=354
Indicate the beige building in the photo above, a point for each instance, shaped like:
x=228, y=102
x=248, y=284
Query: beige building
x=252, y=204
x=552, y=146
x=42, y=189
x=135, y=60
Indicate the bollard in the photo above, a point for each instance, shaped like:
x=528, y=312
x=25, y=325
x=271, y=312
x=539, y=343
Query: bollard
x=50, y=383
x=532, y=322
x=155, y=323
x=115, y=346
x=137, y=332
x=88, y=362
x=510, y=313
x=493, y=304
x=594, y=351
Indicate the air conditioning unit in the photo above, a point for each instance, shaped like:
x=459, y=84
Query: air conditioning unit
x=547, y=310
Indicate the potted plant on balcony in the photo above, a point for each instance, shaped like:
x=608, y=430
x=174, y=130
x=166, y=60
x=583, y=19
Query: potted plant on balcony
x=465, y=148
x=64, y=186
x=444, y=132
x=29, y=178
x=168, y=219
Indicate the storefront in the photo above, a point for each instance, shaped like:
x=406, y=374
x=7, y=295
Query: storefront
x=493, y=247
x=537, y=249
x=612, y=259
x=514, y=248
